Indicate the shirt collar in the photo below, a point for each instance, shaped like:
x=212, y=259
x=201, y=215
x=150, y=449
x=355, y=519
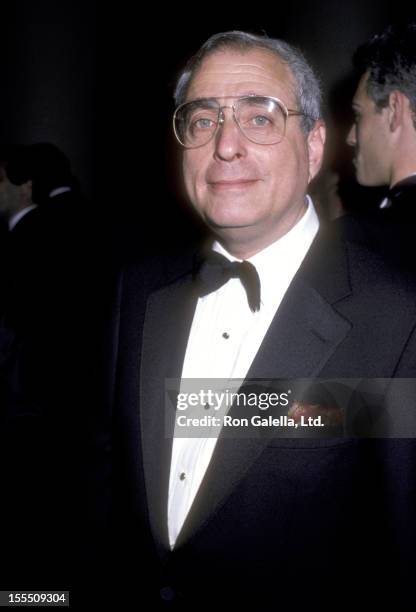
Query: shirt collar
x=403, y=183
x=280, y=261
x=14, y=219
x=397, y=189
x=59, y=190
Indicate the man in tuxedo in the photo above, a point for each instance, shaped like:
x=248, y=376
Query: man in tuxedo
x=268, y=522
x=384, y=137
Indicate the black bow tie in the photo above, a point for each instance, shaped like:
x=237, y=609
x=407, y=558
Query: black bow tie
x=216, y=270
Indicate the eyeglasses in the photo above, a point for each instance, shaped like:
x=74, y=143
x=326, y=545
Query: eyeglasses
x=262, y=119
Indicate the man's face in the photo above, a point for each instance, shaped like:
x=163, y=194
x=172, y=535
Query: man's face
x=369, y=135
x=248, y=192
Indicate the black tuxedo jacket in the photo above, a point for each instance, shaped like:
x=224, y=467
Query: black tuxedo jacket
x=389, y=231
x=282, y=521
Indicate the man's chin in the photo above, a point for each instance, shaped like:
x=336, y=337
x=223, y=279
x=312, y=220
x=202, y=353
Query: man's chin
x=364, y=180
x=229, y=217
x=219, y=225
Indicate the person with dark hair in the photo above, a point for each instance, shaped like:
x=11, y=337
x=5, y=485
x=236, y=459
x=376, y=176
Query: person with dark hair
x=33, y=175
x=42, y=203
x=15, y=196
x=384, y=105
x=262, y=521
x=47, y=356
x=384, y=137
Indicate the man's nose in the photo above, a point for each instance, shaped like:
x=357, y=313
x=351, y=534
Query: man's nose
x=351, y=137
x=229, y=141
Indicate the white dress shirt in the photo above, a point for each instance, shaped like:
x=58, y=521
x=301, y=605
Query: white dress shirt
x=224, y=339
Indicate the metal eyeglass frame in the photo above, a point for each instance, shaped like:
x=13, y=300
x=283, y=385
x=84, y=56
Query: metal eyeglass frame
x=287, y=112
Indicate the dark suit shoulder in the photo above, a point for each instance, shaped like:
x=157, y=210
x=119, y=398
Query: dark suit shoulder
x=364, y=284
x=389, y=233
x=370, y=268
x=153, y=273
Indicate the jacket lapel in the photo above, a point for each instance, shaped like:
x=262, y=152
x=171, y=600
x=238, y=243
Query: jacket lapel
x=302, y=337
x=167, y=325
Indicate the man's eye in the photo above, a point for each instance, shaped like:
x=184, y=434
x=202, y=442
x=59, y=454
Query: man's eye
x=203, y=123
x=260, y=120
x=257, y=121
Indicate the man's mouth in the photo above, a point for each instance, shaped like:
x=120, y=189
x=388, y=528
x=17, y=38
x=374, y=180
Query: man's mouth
x=220, y=185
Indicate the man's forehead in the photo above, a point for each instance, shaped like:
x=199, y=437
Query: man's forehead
x=252, y=69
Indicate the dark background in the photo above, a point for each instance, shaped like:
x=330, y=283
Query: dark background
x=97, y=82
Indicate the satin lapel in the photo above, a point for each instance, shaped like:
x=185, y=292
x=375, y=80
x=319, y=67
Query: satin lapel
x=302, y=337
x=167, y=324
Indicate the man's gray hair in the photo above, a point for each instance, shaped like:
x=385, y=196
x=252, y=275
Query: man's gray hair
x=307, y=88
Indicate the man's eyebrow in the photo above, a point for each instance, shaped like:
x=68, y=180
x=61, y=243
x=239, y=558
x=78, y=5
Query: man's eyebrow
x=245, y=94
x=203, y=100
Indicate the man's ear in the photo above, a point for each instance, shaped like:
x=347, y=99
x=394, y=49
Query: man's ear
x=316, y=143
x=397, y=108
